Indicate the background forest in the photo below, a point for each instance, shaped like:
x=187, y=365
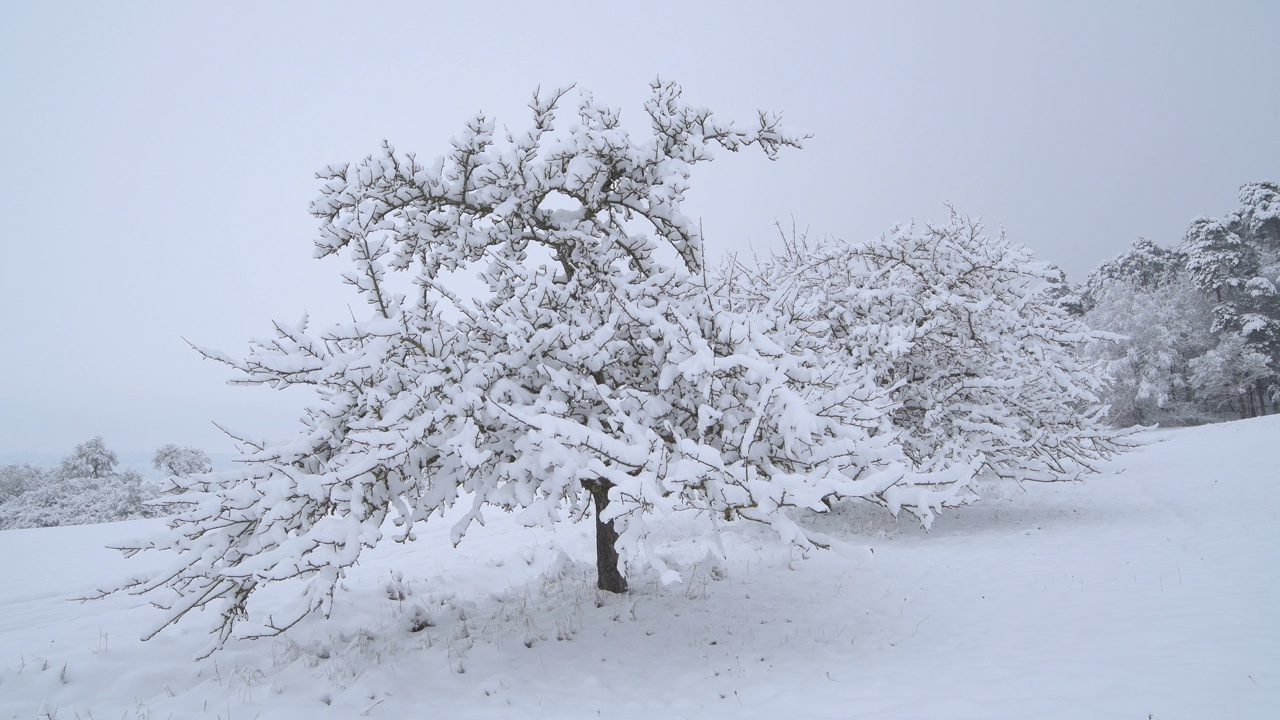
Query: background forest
x=1197, y=326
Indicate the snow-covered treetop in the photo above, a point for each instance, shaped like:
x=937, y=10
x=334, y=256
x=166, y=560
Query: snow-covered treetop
x=1145, y=265
x=1224, y=255
x=91, y=459
x=575, y=193
x=1218, y=259
x=1260, y=208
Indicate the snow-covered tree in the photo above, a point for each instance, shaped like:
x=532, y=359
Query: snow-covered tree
x=1224, y=255
x=1226, y=375
x=1193, y=320
x=18, y=478
x=962, y=334
x=181, y=461
x=1144, y=266
x=1260, y=213
x=1158, y=331
x=1219, y=260
x=91, y=459
x=1236, y=260
x=1254, y=320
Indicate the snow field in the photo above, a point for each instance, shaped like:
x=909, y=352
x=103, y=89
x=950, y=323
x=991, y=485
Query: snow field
x=1148, y=591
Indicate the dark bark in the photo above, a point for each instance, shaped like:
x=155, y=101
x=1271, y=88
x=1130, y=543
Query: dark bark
x=609, y=578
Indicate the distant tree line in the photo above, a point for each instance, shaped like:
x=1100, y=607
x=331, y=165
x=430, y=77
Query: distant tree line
x=86, y=488
x=1198, y=324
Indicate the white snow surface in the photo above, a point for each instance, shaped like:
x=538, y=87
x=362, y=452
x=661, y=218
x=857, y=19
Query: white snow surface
x=1150, y=591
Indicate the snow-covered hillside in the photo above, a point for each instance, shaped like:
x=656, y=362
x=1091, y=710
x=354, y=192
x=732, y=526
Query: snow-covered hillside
x=1152, y=591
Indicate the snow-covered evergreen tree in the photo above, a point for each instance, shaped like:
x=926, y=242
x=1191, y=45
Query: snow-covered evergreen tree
x=1236, y=260
x=1144, y=266
x=1192, y=321
x=1218, y=259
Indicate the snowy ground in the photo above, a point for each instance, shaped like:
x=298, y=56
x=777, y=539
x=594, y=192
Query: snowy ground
x=1152, y=591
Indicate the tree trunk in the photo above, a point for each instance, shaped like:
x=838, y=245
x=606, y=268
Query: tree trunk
x=609, y=578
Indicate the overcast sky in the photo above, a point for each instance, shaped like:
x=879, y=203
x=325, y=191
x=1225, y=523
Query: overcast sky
x=159, y=157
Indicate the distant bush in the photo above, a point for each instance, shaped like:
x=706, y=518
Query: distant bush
x=19, y=478
x=79, y=501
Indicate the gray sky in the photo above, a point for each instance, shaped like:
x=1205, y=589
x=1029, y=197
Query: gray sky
x=160, y=157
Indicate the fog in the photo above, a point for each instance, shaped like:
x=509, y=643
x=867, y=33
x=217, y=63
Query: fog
x=160, y=158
